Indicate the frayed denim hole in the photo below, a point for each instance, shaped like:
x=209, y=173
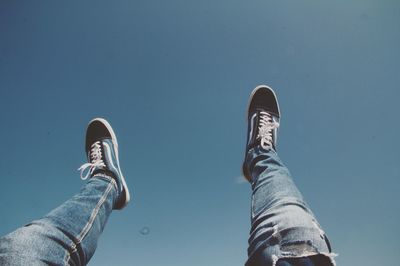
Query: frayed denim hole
x=299, y=247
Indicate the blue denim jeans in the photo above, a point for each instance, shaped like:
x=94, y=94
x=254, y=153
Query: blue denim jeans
x=283, y=225
x=284, y=231
x=68, y=235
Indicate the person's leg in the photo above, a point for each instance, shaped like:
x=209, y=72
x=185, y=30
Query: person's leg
x=283, y=227
x=68, y=235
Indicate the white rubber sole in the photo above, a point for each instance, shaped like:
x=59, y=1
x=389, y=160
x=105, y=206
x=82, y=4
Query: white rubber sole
x=115, y=142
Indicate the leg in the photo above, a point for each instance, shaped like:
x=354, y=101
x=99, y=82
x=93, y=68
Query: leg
x=284, y=230
x=68, y=235
x=283, y=226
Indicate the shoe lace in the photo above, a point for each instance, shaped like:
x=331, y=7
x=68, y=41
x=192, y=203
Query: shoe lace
x=95, y=161
x=267, y=125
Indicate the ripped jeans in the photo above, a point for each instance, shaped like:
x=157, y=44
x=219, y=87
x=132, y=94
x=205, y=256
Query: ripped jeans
x=283, y=227
x=284, y=231
x=68, y=235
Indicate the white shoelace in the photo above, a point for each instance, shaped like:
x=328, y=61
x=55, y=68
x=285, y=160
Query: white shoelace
x=267, y=125
x=95, y=161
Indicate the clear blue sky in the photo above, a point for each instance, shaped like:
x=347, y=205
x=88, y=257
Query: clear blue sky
x=173, y=78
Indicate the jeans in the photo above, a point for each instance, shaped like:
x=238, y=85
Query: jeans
x=282, y=224
x=284, y=231
x=68, y=235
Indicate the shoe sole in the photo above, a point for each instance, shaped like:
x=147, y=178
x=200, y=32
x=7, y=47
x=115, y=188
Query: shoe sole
x=115, y=142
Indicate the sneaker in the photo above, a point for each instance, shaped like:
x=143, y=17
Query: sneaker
x=263, y=121
x=102, y=154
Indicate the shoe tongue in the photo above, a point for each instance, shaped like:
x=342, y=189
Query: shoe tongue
x=90, y=145
x=90, y=152
x=268, y=110
x=256, y=123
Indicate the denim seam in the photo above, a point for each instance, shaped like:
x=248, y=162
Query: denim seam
x=68, y=254
x=89, y=224
x=66, y=257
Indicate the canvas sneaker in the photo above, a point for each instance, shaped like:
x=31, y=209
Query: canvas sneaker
x=263, y=121
x=102, y=153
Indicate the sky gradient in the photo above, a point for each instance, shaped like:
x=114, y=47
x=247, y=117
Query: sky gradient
x=173, y=78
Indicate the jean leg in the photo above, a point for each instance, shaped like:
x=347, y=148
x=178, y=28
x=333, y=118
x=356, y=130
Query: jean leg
x=67, y=235
x=283, y=225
